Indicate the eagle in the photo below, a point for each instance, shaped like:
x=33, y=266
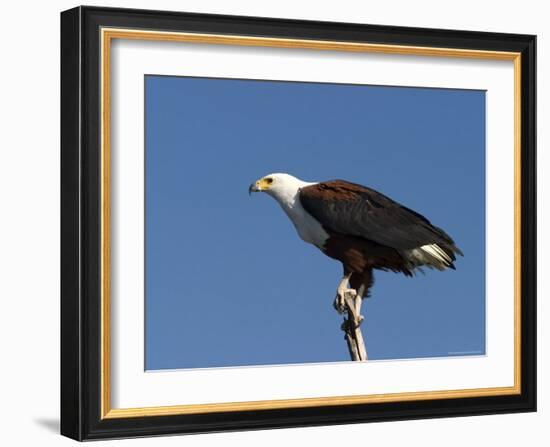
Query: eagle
x=360, y=227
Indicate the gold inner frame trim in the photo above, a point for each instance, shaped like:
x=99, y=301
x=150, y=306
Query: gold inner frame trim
x=107, y=35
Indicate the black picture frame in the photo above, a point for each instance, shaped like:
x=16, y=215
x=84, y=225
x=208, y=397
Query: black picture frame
x=81, y=391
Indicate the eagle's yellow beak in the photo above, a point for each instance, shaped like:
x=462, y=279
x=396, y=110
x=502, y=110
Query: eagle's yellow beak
x=260, y=185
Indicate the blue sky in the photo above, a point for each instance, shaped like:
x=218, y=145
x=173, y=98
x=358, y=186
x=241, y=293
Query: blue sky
x=228, y=281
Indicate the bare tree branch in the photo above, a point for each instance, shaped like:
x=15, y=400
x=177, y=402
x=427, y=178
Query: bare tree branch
x=351, y=326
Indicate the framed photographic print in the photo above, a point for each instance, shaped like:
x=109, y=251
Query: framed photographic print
x=276, y=223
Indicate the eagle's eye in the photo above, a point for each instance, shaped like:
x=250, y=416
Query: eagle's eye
x=269, y=180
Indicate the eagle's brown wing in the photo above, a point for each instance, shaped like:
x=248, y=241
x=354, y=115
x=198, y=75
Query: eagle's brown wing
x=351, y=209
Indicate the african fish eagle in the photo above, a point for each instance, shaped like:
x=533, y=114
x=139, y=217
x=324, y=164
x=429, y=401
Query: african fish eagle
x=361, y=228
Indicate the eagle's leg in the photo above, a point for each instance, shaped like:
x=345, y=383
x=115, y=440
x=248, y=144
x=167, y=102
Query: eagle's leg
x=343, y=289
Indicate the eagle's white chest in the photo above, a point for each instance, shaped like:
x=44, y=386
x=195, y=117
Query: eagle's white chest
x=308, y=228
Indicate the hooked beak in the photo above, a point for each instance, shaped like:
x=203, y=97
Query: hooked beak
x=253, y=188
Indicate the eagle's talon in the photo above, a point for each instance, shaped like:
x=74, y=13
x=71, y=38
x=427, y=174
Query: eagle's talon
x=339, y=303
x=350, y=293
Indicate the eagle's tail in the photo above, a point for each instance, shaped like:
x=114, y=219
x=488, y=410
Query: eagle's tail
x=440, y=256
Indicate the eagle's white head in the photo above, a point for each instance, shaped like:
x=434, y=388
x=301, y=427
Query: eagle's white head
x=282, y=187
